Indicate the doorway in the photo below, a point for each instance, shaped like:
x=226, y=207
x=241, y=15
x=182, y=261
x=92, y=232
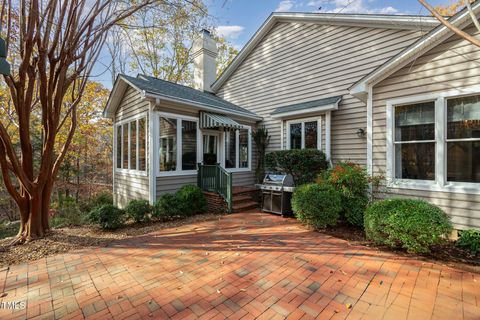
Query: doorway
x=211, y=148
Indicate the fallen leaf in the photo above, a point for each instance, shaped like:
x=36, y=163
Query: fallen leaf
x=218, y=291
x=181, y=272
x=381, y=282
x=4, y=294
x=348, y=305
x=344, y=273
x=243, y=290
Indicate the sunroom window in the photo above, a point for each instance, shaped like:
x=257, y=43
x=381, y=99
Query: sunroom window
x=415, y=141
x=463, y=139
x=237, y=149
x=130, y=145
x=177, y=144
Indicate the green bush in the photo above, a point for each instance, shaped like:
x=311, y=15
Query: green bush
x=351, y=181
x=168, y=207
x=66, y=213
x=470, y=239
x=108, y=216
x=414, y=225
x=303, y=164
x=192, y=199
x=98, y=200
x=317, y=205
x=138, y=210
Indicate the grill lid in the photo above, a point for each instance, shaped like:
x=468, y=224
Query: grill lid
x=279, y=179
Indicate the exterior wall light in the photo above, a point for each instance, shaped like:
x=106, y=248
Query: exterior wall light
x=361, y=133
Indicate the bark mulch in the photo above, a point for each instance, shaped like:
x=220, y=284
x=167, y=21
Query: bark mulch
x=67, y=239
x=447, y=254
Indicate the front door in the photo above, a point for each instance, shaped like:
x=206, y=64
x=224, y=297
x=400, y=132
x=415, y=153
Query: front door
x=211, y=148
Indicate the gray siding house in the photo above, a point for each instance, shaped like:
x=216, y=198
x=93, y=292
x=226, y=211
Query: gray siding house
x=397, y=94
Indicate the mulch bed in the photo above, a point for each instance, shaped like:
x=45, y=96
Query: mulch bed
x=63, y=240
x=446, y=254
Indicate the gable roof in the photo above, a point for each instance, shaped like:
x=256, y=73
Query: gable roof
x=359, y=20
x=329, y=103
x=156, y=88
x=429, y=41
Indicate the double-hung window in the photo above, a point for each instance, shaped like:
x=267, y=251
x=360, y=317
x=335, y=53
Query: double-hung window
x=238, y=149
x=131, y=145
x=435, y=143
x=178, y=144
x=304, y=134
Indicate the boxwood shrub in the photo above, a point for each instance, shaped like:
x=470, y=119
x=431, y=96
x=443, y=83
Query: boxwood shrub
x=192, y=199
x=414, y=225
x=303, y=164
x=107, y=216
x=470, y=240
x=351, y=181
x=138, y=210
x=168, y=207
x=316, y=205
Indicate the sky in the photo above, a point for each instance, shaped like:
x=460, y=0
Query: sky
x=238, y=20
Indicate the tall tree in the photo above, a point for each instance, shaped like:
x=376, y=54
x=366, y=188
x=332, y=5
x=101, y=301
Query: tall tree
x=159, y=42
x=56, y=44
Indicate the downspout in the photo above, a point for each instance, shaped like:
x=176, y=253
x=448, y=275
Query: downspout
x=370, y=130
x=328, y=136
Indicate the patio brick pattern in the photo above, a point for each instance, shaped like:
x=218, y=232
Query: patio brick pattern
x=241, y=266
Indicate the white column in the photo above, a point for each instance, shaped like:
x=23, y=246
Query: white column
x=152, y=152
x=328, y=125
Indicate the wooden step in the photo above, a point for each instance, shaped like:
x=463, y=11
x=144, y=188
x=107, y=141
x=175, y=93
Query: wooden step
x=245, y=206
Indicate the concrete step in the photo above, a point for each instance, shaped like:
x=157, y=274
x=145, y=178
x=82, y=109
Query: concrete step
x=245, y=206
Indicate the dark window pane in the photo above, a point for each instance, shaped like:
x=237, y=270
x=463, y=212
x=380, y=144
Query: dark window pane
x=125, y=146
x=463, y=115
x=142, y=141
x=210, y=149
x=311, y=134
x=133, y=145
x=463, y=161
x=296, y=136
x=168, y=144
x=119, y=147
x=415, y=122
x=189, y=145
x=415, y=161
x=230, y=149
x=243, y=138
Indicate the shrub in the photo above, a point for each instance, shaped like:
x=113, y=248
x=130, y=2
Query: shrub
x=303, y=164
x=351, y=181
x=168, y=207
x=138, y=210
x=66, y=213
x=414, y=225
x=192, y=199
x=317, y=205
x=470, y=239
x=108, y=216
x=98, y=200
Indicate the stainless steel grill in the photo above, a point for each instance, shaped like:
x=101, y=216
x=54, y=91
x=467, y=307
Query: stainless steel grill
x=277, y=193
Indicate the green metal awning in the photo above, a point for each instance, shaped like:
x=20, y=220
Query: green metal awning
x=217, y=121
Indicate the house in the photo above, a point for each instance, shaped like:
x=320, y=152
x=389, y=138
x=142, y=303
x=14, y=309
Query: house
x=397, y=94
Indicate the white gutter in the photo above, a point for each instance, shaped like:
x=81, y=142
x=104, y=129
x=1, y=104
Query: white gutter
x=441, y=33
x=201, y=106
x=378, y=21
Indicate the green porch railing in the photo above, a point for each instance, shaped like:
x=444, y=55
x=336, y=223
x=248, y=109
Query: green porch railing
x=214, y=178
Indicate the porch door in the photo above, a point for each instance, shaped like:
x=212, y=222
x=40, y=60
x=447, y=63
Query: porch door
x=211, y=147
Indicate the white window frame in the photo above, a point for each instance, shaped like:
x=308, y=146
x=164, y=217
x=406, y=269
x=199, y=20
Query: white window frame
x=237, y=152
x=120, y=124
x=302, y=121
x=179, y=118
x=440, y=183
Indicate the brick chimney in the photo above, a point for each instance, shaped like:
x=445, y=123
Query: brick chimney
x=205, y=61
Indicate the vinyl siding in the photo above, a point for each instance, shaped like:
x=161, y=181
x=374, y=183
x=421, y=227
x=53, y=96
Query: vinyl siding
x=170, y=184
x=451, y=65
x=127, y=186
x=299, y=62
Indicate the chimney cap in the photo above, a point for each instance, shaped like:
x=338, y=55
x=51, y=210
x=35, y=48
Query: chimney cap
x=206, y=31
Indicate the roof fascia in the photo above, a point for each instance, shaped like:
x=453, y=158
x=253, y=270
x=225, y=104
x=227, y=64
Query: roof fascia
x=379, y=21
x=431, y=40
x=116, y=96
x=201, y=106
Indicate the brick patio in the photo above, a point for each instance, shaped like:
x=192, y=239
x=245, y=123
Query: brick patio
x=242, y=266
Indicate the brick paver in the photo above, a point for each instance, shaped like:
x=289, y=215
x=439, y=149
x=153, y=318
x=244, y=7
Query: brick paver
x=241, y=266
